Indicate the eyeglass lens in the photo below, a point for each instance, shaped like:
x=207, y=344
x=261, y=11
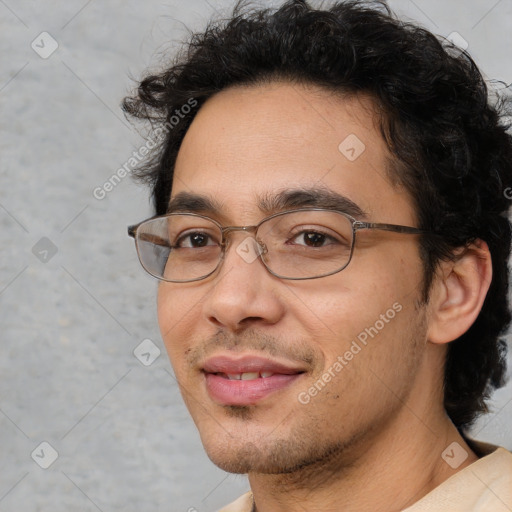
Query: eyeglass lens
x=298, y=245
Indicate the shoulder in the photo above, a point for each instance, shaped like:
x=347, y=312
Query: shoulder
x=480, y=487
x=242, y=504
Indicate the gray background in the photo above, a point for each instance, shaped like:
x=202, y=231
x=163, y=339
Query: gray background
x=72, y=316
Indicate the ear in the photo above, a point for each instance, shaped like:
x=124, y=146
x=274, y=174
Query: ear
x=458, y=292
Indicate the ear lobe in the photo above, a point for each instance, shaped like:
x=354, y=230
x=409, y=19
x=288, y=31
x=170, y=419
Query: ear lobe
x=459, y=290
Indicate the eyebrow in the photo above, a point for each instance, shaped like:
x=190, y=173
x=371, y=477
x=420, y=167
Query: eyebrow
x=270, y=203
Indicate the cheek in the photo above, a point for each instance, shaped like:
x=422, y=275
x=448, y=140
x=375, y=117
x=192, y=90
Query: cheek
x=177, y=314
x=347, y=304
x=363, y=312
x=371, y=356
x=385, y=271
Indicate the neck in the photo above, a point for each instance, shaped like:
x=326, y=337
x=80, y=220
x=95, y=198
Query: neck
x=386, y=471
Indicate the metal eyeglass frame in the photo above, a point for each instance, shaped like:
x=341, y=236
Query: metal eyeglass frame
x=356, y=226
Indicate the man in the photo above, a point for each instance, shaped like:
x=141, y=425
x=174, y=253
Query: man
x=331, y=242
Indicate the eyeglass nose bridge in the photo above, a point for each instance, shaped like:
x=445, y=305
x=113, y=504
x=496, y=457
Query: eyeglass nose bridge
x=228, y=229
x=262, y=248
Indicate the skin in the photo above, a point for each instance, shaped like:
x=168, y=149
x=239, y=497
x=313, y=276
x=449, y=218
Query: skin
x=372, y=438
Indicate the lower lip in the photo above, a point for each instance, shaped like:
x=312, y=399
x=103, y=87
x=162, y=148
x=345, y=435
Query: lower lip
x=245, y=392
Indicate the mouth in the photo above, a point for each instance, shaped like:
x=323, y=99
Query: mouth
x=246, y=375
x=246, y=380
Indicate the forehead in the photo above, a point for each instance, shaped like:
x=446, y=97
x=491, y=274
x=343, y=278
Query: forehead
x=253, y=142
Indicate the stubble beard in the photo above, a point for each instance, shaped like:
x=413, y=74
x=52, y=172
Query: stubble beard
x=299, y=457
x=305, y=455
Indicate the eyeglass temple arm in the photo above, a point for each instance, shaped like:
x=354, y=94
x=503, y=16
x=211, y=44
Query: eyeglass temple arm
x=147, y=237
x=389, y=227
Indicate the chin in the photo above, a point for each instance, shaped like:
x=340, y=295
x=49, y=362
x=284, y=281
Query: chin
x=269, y=456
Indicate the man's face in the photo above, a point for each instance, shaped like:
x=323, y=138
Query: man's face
x=254, y=142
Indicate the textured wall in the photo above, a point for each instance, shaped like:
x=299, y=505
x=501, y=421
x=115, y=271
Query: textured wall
x=74, y=304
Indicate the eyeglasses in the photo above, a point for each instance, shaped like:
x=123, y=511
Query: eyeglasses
x=305, y=243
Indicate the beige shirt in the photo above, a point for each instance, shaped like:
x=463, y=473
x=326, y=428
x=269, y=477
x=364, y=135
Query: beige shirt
x=484, y=486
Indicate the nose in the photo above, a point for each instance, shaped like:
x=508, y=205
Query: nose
x=242, y=292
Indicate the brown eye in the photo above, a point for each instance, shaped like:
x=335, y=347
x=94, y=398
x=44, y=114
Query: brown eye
x=193, y=240
x=313, y=239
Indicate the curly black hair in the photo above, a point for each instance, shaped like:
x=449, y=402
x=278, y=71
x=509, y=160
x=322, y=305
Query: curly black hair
x=449, y=141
